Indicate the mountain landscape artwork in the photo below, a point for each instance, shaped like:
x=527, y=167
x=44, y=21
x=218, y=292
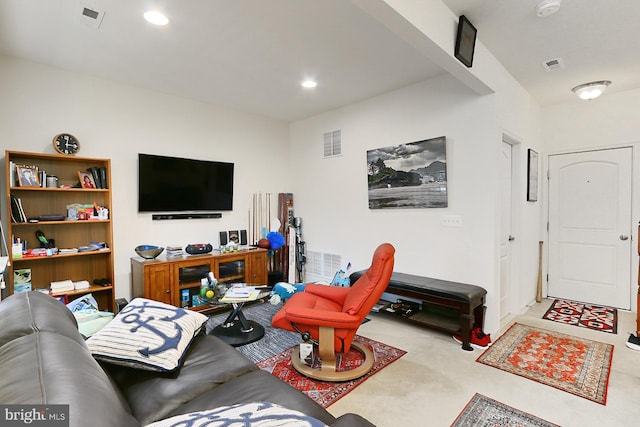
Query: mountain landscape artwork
x=412, y=175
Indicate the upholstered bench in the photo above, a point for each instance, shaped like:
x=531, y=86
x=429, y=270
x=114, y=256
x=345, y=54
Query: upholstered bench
x=448, y=306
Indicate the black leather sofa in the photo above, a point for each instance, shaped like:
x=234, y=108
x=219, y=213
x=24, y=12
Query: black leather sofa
x=45, y=361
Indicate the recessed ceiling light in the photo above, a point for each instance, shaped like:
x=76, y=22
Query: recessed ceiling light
x=156, y=18
x=309, y=84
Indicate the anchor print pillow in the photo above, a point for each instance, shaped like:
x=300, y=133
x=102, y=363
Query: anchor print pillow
x=148, y=335
x=257, y=414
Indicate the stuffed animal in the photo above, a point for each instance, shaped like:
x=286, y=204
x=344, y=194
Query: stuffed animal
x=283, y=290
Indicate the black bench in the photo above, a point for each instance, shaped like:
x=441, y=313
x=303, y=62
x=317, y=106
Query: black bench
x=452, y=307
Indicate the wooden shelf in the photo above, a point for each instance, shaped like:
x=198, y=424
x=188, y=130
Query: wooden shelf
x=89, y=290
x=41, y=223
x=38, y=201
x=65, y=190
x=54, y=257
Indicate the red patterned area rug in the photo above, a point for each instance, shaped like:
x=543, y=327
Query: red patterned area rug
x=326, y=393
x=590, y=316
x=482, y=411
x=575, y=365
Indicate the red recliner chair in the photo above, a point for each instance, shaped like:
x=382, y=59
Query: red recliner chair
x=330, y=316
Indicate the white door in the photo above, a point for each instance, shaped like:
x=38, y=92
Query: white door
x=590, y=227
x=505, y=230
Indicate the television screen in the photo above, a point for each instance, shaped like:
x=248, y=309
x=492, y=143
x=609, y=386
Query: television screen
x=172, y=184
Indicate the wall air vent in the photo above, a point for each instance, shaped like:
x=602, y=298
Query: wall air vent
x=323, y=266
x=553, y=64
x=91, y=17
x=332, y=143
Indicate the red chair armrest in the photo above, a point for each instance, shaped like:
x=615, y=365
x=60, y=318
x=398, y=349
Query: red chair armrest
x=332, y=293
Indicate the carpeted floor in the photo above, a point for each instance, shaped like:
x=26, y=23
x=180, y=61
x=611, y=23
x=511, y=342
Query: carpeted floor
x=596, y=317
x=326, y=393
x=482, y=411
x=273, y=352
x=575, y=365
x=274, y=342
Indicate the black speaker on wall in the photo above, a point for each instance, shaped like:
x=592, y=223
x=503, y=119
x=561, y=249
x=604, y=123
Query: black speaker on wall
x=243, y=237
x=223, y=238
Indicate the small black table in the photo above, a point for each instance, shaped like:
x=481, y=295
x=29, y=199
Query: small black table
x=236, y=330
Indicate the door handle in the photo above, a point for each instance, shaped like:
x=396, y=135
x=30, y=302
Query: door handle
x=511, y=238
x=623, y=237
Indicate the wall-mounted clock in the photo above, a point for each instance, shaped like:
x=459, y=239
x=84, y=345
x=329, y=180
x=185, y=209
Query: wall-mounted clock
x=65, y=143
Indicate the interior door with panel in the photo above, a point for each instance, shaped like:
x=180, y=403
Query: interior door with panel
x=506, y=225
x=590, y=226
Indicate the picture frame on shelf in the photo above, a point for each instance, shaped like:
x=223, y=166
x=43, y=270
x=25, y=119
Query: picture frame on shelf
x=86, y=180
x=27, y=176
x=532, y=176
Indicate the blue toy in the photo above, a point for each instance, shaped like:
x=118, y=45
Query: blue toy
x=283, y=290
x=276, y=240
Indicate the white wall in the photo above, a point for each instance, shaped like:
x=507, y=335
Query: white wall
x=336, y=216
x=609, y=121
x=117, y=122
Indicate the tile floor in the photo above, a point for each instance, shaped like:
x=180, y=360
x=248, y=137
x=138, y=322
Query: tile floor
x=433, y=382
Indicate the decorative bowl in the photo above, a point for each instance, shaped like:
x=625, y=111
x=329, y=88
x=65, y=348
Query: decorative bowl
x=148, y=251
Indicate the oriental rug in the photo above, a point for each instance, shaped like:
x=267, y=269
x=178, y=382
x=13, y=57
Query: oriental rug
x=599, y=318
x=326, y=393
x=274, y=341
x=482, y=411
x=575, y=365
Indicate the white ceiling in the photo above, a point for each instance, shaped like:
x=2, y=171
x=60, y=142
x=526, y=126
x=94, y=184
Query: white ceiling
x=595, y=39
x=251, y=55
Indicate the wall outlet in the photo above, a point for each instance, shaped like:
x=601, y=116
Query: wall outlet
x=452, y=220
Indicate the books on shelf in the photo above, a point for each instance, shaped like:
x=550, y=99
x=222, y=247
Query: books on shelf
x=81, y=284
x=17, y=211
x=62, y=286
x=67, y=251
x=99, y=175
x=174, y=251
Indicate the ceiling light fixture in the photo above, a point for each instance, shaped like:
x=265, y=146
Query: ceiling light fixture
x=309, y=84
x=547, y=7
x=156, y=18
x=592, y=90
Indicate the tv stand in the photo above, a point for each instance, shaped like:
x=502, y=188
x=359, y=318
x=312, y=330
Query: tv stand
x=176, y=281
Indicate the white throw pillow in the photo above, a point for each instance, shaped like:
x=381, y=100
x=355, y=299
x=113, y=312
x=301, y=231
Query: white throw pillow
x=147, y=334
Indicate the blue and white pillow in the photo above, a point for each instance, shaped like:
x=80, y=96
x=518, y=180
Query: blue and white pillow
x=148, y=335
x=254, y=414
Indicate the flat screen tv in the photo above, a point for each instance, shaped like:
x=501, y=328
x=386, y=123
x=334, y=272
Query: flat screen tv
x=173, y=184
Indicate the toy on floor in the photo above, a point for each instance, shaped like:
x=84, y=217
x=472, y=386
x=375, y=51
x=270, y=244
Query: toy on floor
x=341, y=278
x=283, y=290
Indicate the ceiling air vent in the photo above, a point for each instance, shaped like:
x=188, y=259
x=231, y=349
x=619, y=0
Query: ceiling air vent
x=91, y=17
x=553, y=64
x=333, y=143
